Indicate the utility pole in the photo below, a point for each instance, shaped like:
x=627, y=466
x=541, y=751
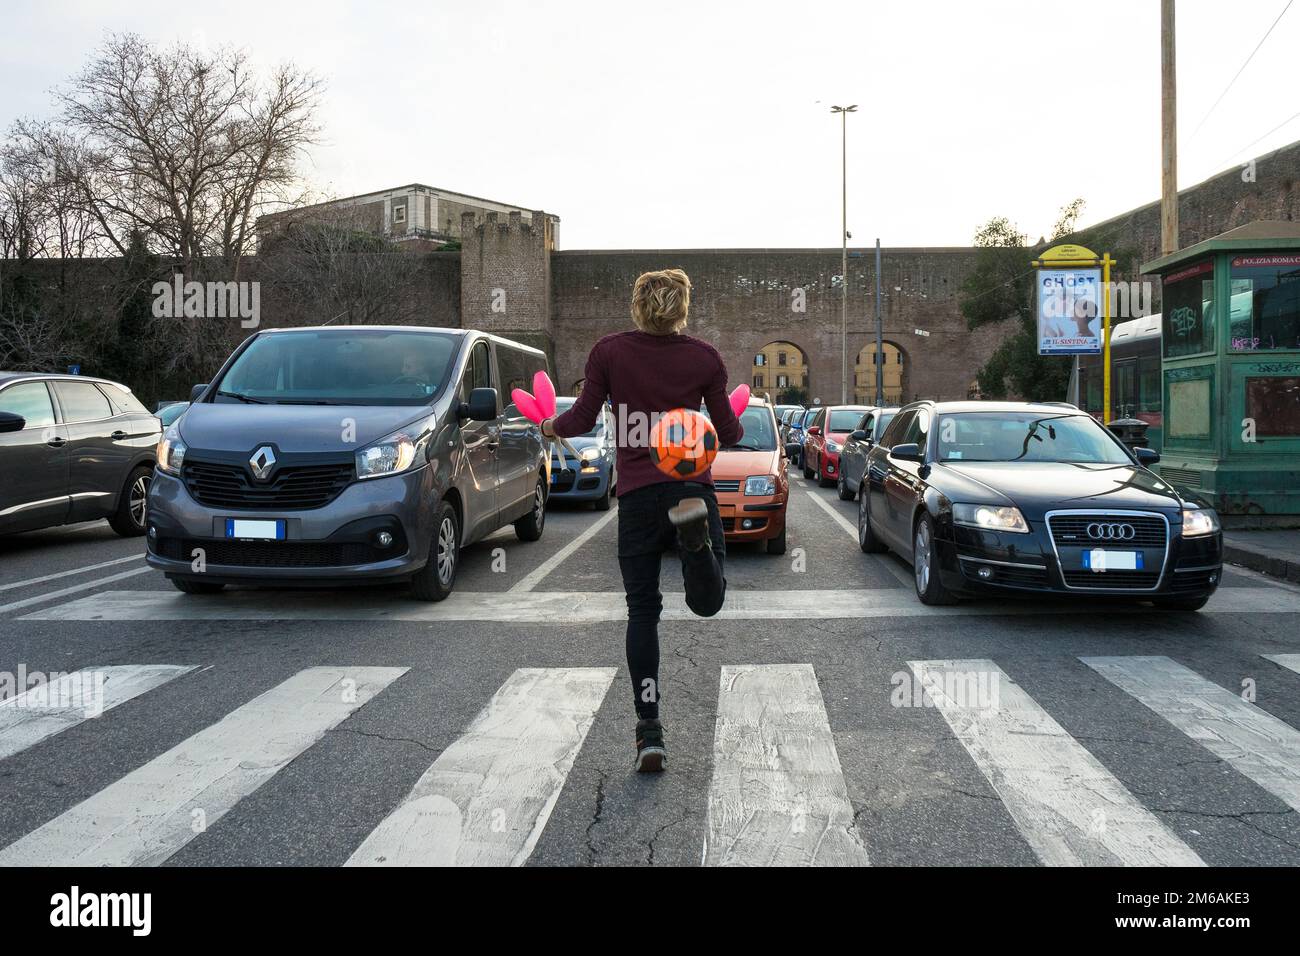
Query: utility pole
x=844, y=111
x=1168, y=133
x=880, y=336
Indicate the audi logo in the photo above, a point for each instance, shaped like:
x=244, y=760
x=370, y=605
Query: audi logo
x=1111, y=532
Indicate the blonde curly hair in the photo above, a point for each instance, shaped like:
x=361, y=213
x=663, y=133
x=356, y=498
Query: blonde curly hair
x=660, y=301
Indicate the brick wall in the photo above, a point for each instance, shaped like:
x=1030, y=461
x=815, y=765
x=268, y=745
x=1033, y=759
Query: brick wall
x=744, y=299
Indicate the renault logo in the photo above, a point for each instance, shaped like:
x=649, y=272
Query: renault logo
x=262, y=462
x=1111, y=532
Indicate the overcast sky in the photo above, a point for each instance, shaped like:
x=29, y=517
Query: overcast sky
x=707, y=124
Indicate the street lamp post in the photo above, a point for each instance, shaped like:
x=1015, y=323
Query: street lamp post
x=844, y=249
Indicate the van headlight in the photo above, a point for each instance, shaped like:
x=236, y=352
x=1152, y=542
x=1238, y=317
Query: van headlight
x=390, y=456
x=990, y=518
x=170, y=453
x=1197, y=523
x=760, y=485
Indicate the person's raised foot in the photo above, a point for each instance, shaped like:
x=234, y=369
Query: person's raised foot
x=690, y=517
x=651, y=756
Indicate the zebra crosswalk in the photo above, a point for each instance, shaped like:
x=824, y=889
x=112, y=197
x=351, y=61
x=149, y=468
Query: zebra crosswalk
x=778, y=791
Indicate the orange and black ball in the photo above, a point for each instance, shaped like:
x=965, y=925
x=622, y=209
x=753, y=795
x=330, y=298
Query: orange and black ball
x=683, y=443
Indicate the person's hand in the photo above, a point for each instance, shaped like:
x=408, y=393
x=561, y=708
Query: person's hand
x=548, y=428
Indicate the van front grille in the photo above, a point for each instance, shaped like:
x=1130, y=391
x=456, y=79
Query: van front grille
x=291, y=488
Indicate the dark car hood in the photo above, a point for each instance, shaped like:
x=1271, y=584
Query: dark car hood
x=1038, y=487
x=291, y=428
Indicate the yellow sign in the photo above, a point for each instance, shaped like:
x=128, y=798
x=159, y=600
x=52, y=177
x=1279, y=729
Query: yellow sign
x=1067, y=252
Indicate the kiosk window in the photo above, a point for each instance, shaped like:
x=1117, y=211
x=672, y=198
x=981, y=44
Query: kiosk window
x=1265, y=312
x=1188, y=302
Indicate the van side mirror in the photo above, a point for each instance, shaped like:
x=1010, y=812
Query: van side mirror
x=908, y=452
x=198, y=390
x=481, y=407
x=9, y=422
x=1146, y=457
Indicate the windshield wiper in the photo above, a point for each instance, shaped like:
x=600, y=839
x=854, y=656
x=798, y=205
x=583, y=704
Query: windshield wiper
x=303, y=401
x=743, y=447
x=242, y=398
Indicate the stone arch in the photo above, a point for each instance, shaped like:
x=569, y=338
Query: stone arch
x=897, y=378
x=779, y=365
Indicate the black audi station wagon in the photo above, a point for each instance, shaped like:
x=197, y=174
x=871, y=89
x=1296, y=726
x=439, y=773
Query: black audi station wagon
x=1014, y=497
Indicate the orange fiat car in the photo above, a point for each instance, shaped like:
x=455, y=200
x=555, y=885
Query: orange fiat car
x=750, y=481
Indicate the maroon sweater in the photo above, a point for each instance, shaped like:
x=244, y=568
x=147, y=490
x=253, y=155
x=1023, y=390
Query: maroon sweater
x=644, y=374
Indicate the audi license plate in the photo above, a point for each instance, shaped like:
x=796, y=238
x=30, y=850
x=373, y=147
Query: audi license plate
x=1098, y=559
x=246, y=529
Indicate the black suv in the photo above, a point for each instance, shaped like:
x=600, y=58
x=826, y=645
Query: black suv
x=73, y=448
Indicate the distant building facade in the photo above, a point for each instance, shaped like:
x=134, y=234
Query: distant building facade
x=425, y=216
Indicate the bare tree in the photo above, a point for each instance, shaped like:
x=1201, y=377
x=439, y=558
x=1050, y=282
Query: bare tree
x=184, y=146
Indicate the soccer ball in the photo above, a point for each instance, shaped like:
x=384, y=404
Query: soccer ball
x=683, y=444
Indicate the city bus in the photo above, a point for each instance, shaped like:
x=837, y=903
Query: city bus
x=1135, y=383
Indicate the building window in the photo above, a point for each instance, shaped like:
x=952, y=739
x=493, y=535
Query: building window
x=780, y=358
x=783, y=381
x=760, y=359
x=758, y=381
x=399, y=214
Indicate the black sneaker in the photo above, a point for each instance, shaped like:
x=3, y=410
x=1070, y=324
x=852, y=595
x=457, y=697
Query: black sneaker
x=651, y=757
x=690, y=517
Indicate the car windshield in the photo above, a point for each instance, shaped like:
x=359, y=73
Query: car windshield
x=1026, y=436
x=341, y=367
x=845, y=419
x=760, y=433
x=564, y=404
x=883, y=420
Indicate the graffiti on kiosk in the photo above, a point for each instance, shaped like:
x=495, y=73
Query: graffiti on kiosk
x=1183, y=320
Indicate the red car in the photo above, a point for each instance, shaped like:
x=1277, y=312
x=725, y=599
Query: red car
x=825, y=436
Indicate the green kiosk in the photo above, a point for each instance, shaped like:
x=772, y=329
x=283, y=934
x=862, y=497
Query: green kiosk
x=1231, y=364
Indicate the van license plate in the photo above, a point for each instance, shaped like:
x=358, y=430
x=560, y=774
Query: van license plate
x=260, y=530
x=1097, y=559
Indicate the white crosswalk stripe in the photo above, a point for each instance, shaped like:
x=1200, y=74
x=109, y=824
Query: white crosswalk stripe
x=570, y=608
x=486, y=799
x=1290, y=661
x=56, y=705
x=1257, y=744
x=778, y=795
x=1069, y=808
x=149, y=814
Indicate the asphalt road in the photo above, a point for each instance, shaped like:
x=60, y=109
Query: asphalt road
x=271, y=727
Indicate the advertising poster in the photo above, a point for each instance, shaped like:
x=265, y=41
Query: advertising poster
x=1069, y=311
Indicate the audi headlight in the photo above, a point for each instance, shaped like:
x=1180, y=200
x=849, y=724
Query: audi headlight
x=1196, y=523
x=990, y=518
x=391, y=456
x=760, y=485
x=170, y=453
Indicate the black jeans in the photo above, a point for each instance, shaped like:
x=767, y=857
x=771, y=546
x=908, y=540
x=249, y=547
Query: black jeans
x=644, y=534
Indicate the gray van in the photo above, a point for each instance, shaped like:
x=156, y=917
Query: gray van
x=348, y=454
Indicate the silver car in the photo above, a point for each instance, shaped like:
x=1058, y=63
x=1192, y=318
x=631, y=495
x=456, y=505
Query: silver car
x=348, y=455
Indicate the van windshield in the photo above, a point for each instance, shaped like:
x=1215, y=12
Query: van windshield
x=341, y=367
